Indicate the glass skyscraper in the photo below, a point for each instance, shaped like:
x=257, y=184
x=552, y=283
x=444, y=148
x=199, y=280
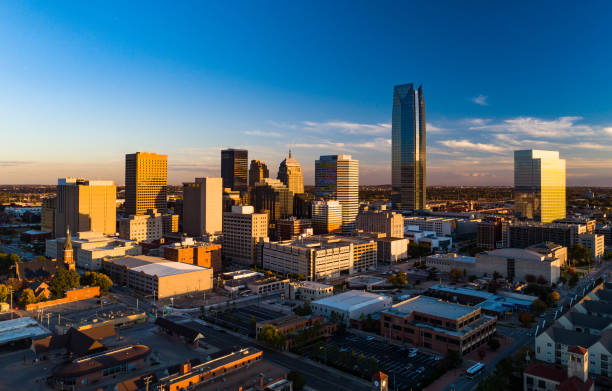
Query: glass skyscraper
x=539, y=185
x=408, y=149
x=235, y=169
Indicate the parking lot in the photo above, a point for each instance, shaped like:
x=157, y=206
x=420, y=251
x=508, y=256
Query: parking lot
x=240, y=318
x=393, y=360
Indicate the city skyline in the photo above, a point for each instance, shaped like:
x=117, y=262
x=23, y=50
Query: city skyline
x=157, y=80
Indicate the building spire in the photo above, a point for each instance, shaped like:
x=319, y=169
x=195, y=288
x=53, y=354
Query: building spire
x=68, y=244
x=289, y=153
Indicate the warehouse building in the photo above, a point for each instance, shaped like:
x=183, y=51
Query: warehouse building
x=350, y=305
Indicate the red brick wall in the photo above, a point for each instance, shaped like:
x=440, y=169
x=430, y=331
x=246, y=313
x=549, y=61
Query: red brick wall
x=71, y=295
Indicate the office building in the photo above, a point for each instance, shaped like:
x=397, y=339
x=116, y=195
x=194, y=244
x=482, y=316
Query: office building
x=381, y=220
x=47, y=215
x=351, y=305
x=524, y=234
x=146, y=177
x=234, y=169
x=257, y=172
x=442, y=226
x=85, y=205
x=595, y=243
x=326, y=217
x=142, y=228
x=408, y=148
x=308, y=290
x=158, y=276
x=90, y=248
x=272, y=197
x=539, y=185
x=242, y=229
x=290, y=228
x=391, y=250
x=170, y=223
x=290, y=173
x=302, y=205
x=203, y=206
x=489, y=234
x=337, y=178
x=437, y=325
x=196, y=253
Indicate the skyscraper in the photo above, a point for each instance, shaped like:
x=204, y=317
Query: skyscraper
x=539, y=185
x=408, y=148
x=272, y=197
x=203, y=206
x=146, y=177
x=337, y=178
x=290, y=173
x=257, y=172
x=84, y=205
x=234, y=168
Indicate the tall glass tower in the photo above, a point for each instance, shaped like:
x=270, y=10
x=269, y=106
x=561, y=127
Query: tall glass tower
x=408, y=149
x=539, y=185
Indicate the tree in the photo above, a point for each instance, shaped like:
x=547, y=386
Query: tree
x=493, y=344
x=538, y=307
x=270, y=335
x=573, y=280
x=4, y=292
x=97, y=279
x=27, y=297
x=579, y=253
x=456, y=274
x=398, y=280
x=525, y=318
x=252, y=323
x=62, y=281
x=553, y=297
x=14, y=258
x=297, y=379
x=304, y=309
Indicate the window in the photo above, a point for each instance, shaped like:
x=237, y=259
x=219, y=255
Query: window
x=541, y=384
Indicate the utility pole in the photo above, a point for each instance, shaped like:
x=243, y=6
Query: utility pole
x=11, y=290
x=147, y=380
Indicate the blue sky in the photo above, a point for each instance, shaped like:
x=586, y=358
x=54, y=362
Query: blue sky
x=83, y=83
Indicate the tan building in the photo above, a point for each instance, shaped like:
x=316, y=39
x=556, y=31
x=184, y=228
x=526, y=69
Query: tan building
x=291, y=228
x=337, y=178
x=365, y=253
x=308, y=290
x=392, y=250
x=326, y=217
x=47, y=215
x=85, y=205
x=381, y=220
x=146, y=177
x=90, y=248
x=242, y=229
x=203, y=206
x=595, y=243
x=141, y=228
x=290, y=173
x=196, y=253
x=257, y=172
x=272, y=197
x=170, y=223
x=158, y=276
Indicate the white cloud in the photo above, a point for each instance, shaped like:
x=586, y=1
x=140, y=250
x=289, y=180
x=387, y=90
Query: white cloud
x=608, y=130
x=469, y=145
x=536, y=127
x=481, y=100
x=348, y=127
x=261, y=133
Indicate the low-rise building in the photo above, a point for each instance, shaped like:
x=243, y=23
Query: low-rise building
x=441, y=226
x=437, y=325
x=447, y=262
x=350, y=305
x=539, y=376
x=392, y=250
x=381, y=220
x=267, y=286
x=296, y=329
x=157, y=276
x=196, y=253
x=242, y=229
x=142, y=228
x=308, y=290
x=595, y=243
x=430, y=237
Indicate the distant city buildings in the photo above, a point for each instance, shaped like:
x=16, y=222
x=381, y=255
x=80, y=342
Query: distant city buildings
x=234, y=169
x=539, y=185
x=337, y=178
x=146, y=177
x=290, y=173
x=257, y=172
x=85, y=205
x=408, y=148
x=203, y=206
x=272, y=197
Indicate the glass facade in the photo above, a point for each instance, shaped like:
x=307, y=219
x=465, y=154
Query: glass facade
x=539, y=186
x=235, y=168
x=408, y=150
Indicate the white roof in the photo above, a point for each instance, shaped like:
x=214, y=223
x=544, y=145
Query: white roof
x=431, y=305
x=163, y=269
x=351, y=300
x=517, y=253
x=20, y=328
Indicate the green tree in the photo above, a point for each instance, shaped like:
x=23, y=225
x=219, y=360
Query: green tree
x=252, y=323
x=27, y=297
x=552, y=298
x=297, y=379
x=5, y=292
x=97, y=279
x=579, y=253
x=62, y=281
x=14, y=258
x=538, y=307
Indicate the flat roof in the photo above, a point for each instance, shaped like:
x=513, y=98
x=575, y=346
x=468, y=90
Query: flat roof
x=462, y=291
x=351, y=300
x=21, y=328
x=314, y=285
x=169, y=268
x=432, y=306
x=135, y=261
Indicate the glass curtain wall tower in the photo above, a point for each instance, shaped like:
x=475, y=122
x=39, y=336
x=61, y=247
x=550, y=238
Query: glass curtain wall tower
x=408, y=149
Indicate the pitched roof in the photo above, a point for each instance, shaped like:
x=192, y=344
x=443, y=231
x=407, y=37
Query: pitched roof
x=180, y=329
x=571, y=337
x=597, y=307
x=38, y=268
x=544, y=371
x=575, y=384
x=589, y=321
x=577, y=349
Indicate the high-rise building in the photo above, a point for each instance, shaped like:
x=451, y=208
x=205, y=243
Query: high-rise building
x=234, y=168
x=47, y=215
x=290, y=228
x=146, y=177
x=326, y=216
x=203, y=206
x=539, y=185
x=84, y=205
x=272, y=197
x=242, y=229
x=302, y=205
x=290, y=173
x=337, y=178
x=142, y=228
x=381, y=221
x=257, y=172
x=408, y=148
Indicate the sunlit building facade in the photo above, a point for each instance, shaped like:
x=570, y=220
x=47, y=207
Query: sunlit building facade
x=290, y=173
x=337, y=178
x=408, y=148
x=146, y=178
x=539, y=185
x=257, y=172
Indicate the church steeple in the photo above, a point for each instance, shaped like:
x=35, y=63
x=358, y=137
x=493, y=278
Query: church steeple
x=68, y=244
x=68, y=253
x=289, y=153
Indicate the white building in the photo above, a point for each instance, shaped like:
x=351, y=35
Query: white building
x=142, y=228
x=351, y=305
x=440, y=225
x=308, y=290
x=242, y=229
x=413, y=234
x=595, y=243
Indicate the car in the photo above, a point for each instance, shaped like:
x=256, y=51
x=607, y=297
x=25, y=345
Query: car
x=412, y=354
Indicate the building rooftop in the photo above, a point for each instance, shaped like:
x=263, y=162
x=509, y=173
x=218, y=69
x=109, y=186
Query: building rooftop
x=167, y=268
x=453, y=257
x=462, y=291
x=21, y=328
x=313, y=285
x=136, y=261
x=517, y=253
x=430, y=305
x=351, y=300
